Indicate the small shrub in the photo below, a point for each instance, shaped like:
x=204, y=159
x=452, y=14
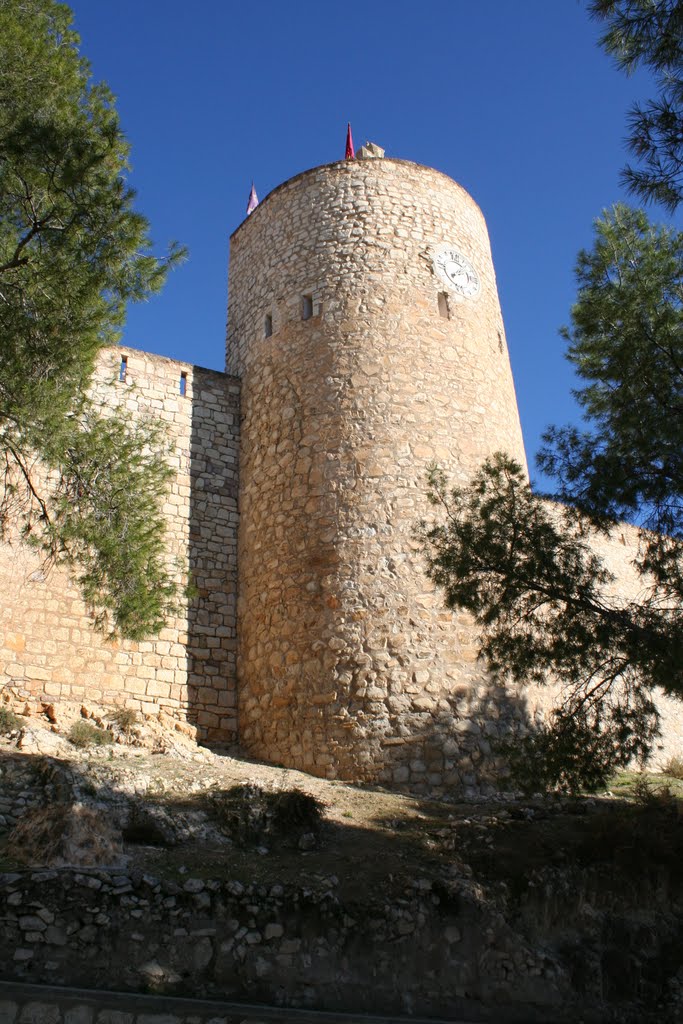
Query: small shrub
x=8, y=721
x=146, y=827
x=637, y=838
x=125, y=719
x=295, y=810
x=648, y=797
x=252, y=816
x=83, y=734
x=673, y=768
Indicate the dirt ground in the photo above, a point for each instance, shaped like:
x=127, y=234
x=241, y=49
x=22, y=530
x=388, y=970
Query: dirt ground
x=370, y=838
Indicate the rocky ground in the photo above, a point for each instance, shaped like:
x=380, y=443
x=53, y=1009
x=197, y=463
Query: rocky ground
x=164, y=792
x=595, y=881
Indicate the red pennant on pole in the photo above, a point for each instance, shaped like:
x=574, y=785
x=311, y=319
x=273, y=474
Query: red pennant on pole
x=350, y=151
x=253, y=200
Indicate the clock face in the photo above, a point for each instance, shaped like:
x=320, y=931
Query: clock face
x=457, y=271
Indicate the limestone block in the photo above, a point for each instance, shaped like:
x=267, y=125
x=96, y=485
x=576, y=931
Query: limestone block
x=8, y=1011
x=39, y=1013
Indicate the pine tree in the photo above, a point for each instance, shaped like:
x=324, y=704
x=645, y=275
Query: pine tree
x=649, y=34
x=83, y=487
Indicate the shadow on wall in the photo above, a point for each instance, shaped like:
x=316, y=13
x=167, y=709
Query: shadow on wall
x=211, y=626
x=457, y=749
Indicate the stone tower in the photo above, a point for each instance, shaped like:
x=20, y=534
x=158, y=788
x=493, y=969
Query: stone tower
x=365, y=325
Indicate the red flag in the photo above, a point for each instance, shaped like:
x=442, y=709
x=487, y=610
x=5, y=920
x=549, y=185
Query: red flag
x=350, y=151
x=253, y=200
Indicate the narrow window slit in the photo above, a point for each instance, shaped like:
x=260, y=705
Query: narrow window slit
x=123, y=368
x=444, y=308
x=306, y=307
x=268, y=326
x=183, y=383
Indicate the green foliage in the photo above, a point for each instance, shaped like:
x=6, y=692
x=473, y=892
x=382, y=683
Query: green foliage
x=527, y=569
x=73, y=253
x=643, y=793
x=649, y=34
x=9, y=722
x=578, y=750
x=106, y=524
x=84, y=734
x=626, y=344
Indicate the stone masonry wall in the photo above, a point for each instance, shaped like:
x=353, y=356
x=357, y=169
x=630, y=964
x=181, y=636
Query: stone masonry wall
x=349, y=665
x=572, y=945
x=438, y=948
x=48, y=647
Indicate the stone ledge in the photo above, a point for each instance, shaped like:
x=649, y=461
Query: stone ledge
x=46, y=1004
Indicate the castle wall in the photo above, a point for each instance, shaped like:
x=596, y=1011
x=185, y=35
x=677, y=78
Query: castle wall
x=359, y=368
x=48, y=647
x=349, y=664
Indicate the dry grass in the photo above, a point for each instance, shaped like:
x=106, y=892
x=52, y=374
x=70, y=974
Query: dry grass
x=64, y=835
x=124, y=719
x=673, y=768
x=83, y=734
x=9, y=722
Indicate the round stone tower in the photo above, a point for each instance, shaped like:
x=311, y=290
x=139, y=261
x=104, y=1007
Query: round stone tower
x=365, y=324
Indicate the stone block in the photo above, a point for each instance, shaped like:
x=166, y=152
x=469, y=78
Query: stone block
x=8, y=1011
x=79, y=1015
x=39, y=1013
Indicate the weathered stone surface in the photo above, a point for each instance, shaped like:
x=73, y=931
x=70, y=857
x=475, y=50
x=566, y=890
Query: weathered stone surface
x=152, y=970
x=345, y=649
x=42, y=741
x=193, y=885
x=48, y=646
x=202, y=953
x=349, y=665
x=39, y=1013
x=370, y=151
x=79, y=1015
x=8, y=1011
x=114, y=1017
x=432, y=940
x=157, y=1018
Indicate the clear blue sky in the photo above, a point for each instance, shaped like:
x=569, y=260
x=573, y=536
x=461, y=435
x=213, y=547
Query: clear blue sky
x=512, y=98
